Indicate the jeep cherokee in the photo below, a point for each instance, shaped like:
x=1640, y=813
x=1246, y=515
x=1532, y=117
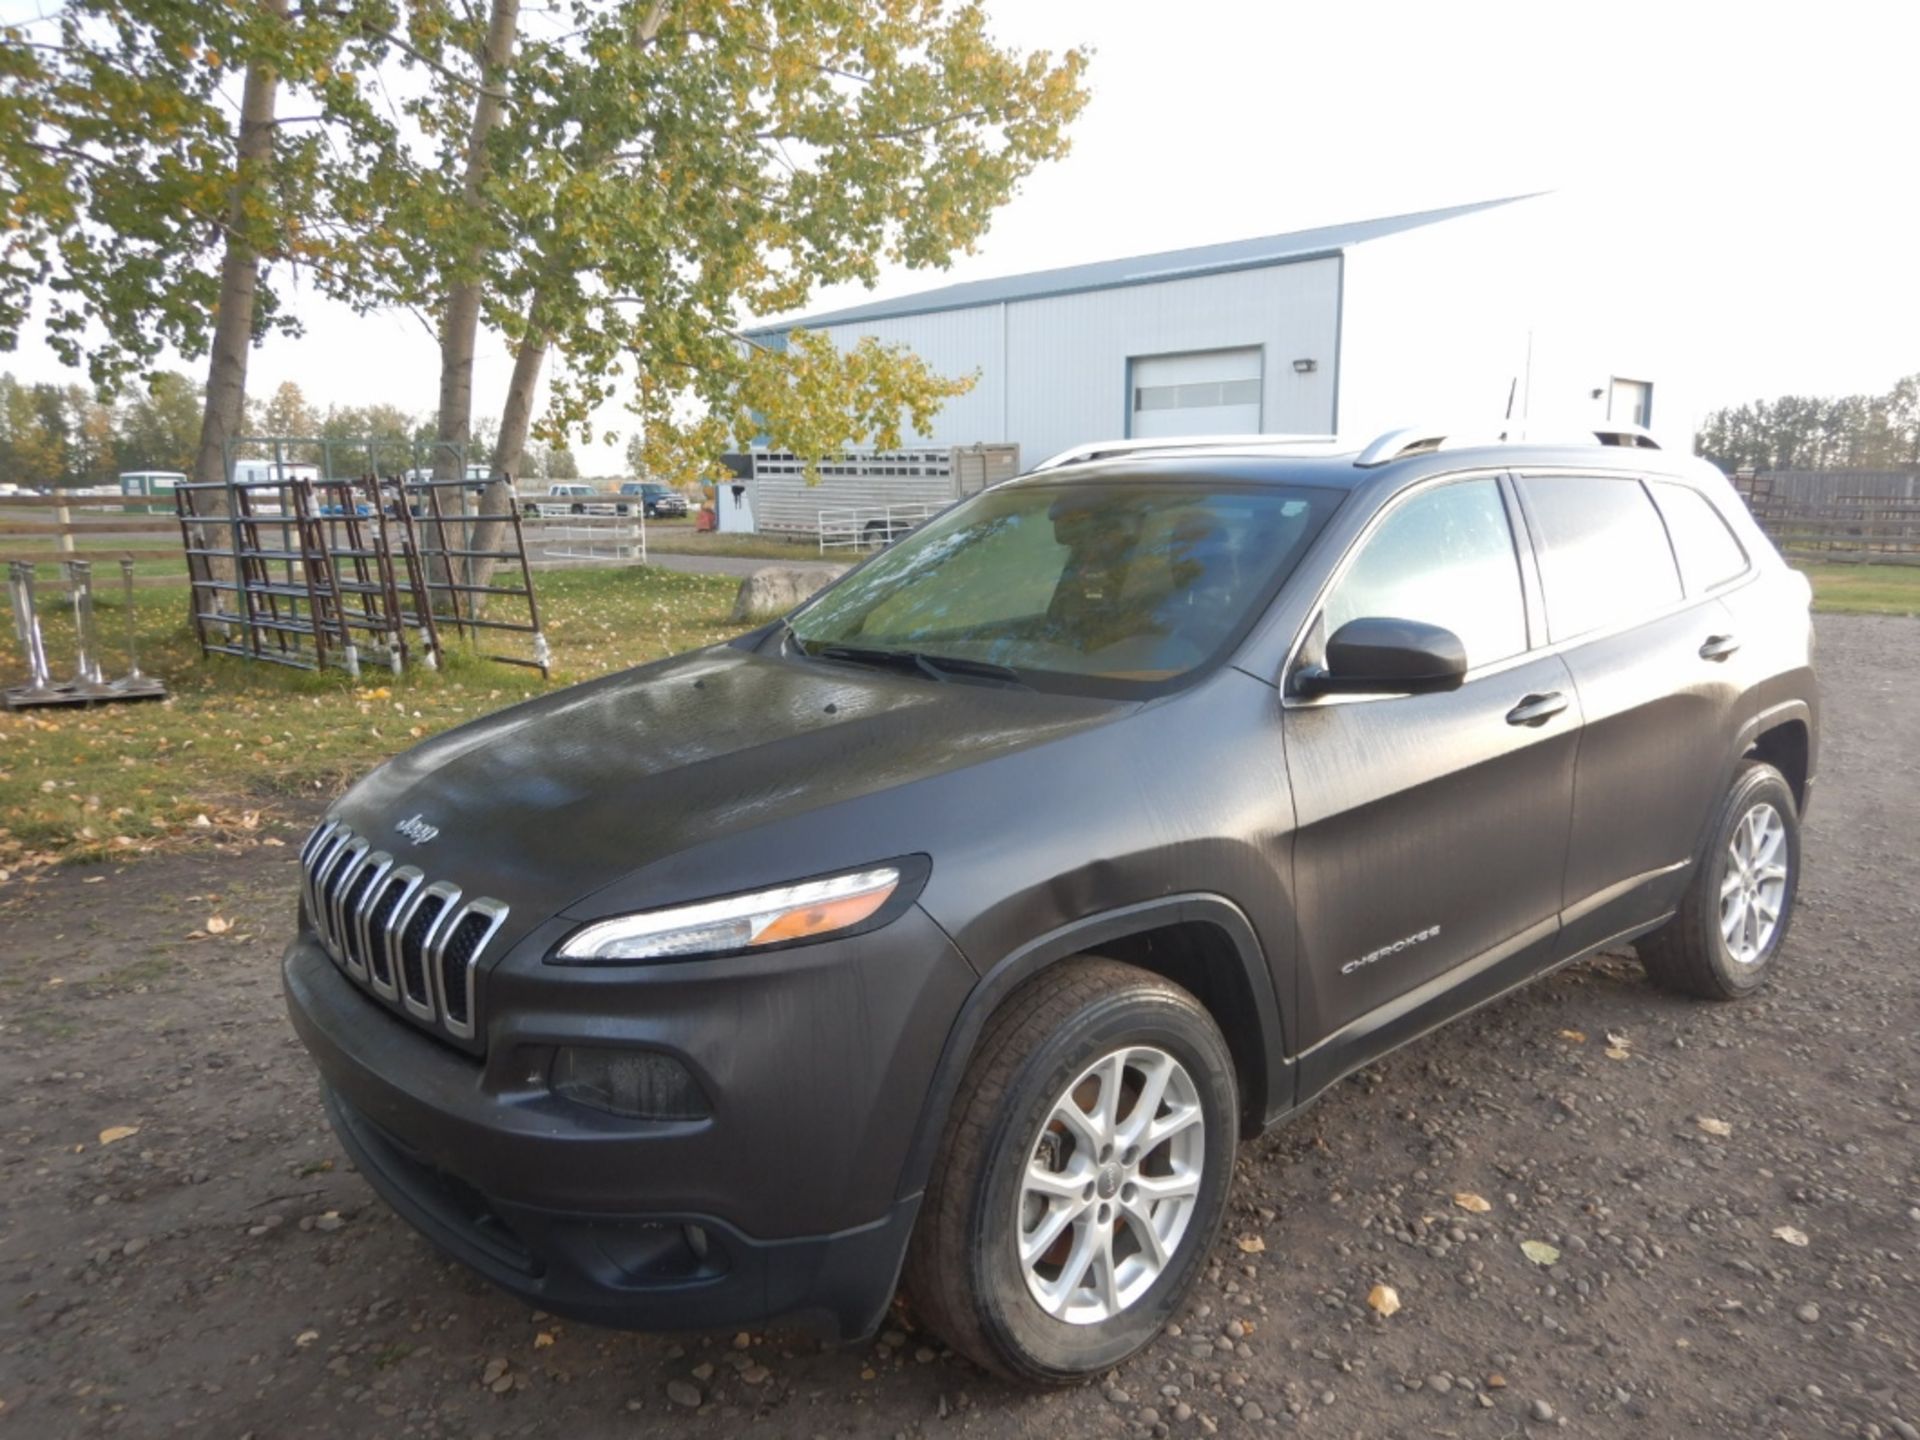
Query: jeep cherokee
x=954, y=928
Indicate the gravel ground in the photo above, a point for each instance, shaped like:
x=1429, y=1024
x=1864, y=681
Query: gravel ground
x=1733, y=1193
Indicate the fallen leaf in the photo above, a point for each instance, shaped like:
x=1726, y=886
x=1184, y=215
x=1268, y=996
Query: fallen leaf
x=1496, y=1381
x=1790, y=1234
x=1251, y=1244
x=218, y=924
x=1713, y=1126
x=1618, y=1041
x=306, y=1338
x=1384, y=1298
x=1478, y=1204
x=1539, y=1252
x=1616, y=1052
x=117, y=1132
x=543, y=1340
x=1578, y=1037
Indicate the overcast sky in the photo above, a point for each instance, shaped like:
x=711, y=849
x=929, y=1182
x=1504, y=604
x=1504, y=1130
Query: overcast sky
x=1767, y=149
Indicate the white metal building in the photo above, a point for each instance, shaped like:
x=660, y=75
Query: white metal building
x=1449, y=315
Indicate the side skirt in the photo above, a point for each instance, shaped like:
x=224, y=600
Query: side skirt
x=1528, y=956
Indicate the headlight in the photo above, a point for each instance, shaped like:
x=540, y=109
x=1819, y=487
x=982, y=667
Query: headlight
x=809, y=910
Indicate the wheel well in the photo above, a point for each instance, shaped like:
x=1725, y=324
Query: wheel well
x=1785, y=748
x=1201, y=958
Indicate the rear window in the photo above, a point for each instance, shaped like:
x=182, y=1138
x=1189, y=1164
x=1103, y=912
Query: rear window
x=1604, y=556
x=1708, y=551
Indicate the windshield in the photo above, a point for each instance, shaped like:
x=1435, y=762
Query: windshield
x=1102, y=588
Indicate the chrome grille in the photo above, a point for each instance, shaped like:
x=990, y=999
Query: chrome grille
x=413, y=942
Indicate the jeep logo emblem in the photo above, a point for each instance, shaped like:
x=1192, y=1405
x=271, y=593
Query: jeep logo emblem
x=416, y=829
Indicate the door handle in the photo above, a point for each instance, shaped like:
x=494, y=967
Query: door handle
x=1537, y=709
x=1718, y=647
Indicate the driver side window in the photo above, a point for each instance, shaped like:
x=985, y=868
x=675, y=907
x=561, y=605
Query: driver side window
x=1445, y=557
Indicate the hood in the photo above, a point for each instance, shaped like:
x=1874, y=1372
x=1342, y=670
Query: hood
x=546, y=802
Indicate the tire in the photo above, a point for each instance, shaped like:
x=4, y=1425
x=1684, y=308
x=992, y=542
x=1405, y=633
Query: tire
x=965, y=1277
x=1692, y=953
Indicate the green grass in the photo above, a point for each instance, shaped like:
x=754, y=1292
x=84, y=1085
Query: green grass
x=679, y=538
x=1865, y=589
x=241, y=747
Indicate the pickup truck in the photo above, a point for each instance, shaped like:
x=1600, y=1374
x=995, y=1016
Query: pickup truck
x=574, y=499
x=657, y=500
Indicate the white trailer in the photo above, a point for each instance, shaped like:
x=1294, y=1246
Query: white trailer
x=859, y=497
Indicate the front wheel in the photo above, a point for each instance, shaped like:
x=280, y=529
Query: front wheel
x=1082, y=1177
x=1721, y=943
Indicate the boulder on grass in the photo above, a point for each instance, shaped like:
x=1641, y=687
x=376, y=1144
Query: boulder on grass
x=775, y=589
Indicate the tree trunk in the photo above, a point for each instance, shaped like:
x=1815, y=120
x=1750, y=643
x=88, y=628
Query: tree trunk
x=225, y=408
x=516, y=420
x=460, y=325
x=516, y=416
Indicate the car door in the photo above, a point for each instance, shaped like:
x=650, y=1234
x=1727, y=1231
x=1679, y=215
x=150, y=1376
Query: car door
x=1431, y=829
x=1661, y=705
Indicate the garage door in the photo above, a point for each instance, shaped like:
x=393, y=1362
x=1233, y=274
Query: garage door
x=1212, y=392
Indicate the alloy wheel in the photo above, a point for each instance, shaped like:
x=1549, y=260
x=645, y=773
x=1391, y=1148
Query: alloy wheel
x=1754, y=887
x=1111, y=1185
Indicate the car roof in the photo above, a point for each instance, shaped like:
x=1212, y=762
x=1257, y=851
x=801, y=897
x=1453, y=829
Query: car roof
x=1391, y=459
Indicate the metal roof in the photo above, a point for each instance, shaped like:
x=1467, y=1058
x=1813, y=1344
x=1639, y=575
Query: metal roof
x=1139, y=269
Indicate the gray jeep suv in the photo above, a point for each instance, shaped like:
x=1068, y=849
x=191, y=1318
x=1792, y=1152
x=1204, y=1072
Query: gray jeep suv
x=956, y=927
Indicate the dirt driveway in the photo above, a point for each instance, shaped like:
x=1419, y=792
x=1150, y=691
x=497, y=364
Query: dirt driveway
x=220, y=1271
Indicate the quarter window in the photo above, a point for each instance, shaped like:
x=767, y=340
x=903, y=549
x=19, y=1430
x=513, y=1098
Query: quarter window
x=1444, y=557
x=1604, y=556
x=1708, y=552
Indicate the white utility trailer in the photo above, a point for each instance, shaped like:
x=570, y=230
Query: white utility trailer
x=859, y=498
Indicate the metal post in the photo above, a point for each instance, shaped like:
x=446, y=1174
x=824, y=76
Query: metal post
x=133, y=676
x=86, y=665
x=26, y=624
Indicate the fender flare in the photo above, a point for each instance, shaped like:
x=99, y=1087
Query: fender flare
x=1077, y=937
x=1756, y=725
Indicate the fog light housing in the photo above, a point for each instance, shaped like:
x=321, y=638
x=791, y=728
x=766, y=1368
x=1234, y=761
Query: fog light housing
x=637, y=1084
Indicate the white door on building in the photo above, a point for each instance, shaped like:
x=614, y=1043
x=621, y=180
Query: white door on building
x=1210, y=392
x=1631, y=401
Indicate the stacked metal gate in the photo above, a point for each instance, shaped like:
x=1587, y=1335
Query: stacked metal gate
x=320, y=573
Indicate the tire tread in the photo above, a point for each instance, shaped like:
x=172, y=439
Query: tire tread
x=938, y=1267
x=1679, y=956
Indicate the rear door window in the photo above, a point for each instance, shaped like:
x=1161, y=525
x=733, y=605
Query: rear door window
x=1603, y=551
x=1708, y=551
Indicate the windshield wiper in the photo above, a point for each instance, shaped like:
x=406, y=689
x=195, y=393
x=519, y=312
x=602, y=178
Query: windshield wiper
x=937, y=667
x=961, y=665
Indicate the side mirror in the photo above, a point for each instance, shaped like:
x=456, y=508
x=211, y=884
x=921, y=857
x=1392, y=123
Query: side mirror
x=1384, y=656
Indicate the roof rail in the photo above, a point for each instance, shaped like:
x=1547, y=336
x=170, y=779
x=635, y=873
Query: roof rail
x=1397, y=444
x=1111, y=449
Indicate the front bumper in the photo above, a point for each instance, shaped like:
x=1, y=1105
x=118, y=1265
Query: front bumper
x=783, y=1201
x=646, y=1272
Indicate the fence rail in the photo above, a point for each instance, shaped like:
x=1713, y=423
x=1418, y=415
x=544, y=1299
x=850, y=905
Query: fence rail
x=870, y=527
x=82, y=525
x=1880, y=527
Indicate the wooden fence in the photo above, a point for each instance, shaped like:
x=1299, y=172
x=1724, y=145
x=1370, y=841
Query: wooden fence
x=105, y=529
x=1879, y=528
